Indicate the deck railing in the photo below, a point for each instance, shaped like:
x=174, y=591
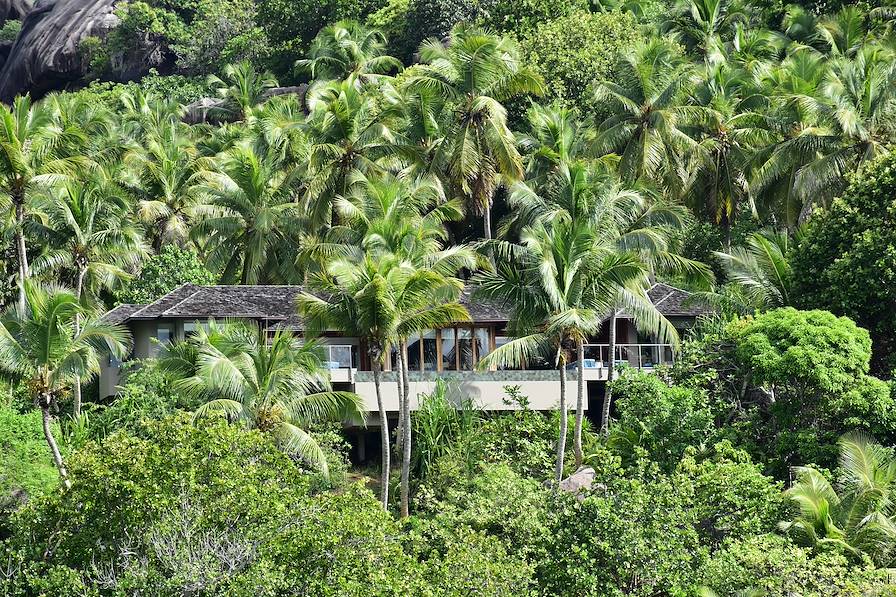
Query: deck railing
x=640, y=356
x=338, y=356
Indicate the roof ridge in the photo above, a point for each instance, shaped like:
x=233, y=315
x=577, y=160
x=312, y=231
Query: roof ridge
x=175, y=305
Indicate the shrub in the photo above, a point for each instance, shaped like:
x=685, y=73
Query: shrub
x=214, y=510
x=497, y=501
x=632, y=536
x=26, y=468
x=732, y=498
x=519, y=17
x=846, y=261
x=434, y=18
x=575, y=50
x=163, y=273
x=773, y=565
x=147, y=394
x=221, y=32
x=392, y=19
x=658, y=420
x=476, y=562
x=10, y=31
x=813, y=368
x=290, y=25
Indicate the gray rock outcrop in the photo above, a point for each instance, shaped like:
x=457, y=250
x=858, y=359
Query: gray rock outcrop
x=14, y=9
x=579, y=483
x=46, y=54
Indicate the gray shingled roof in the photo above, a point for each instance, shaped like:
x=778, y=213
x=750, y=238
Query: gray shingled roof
x=258, y=302
x=121, y=313
x=277, y=303
x=674, y=302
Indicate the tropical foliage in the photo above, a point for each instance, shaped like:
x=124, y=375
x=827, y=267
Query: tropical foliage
x=403, y=161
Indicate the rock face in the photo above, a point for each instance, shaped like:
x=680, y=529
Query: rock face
x=579, y=483
x=14, y=9
x=208, y=109
x=46, y=55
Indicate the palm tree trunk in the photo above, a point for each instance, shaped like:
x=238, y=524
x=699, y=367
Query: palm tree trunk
x=399, y=381
x=580, y=404
x=611, y=370
x=76, y=390
x=564, y=425
x=22, y=254
x=487, y=220
x=51, y=441
x=384, y=431
x=406, y=432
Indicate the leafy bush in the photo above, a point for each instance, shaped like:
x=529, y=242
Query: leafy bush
x=813, y=366
x=290, y=25
x=216, y=509
x=575, y=50
x=10, y=31
x=391, y=19
x=475, y=561
x=221, y=32
x=26, y=468
x=163, y=273
x=657, y=420
x=732, y=498
x=434, y=18
x=633, y=536
x=497, y=501
x=519, y=17
x=146, y=394
x=846, y=260
x=773, y=565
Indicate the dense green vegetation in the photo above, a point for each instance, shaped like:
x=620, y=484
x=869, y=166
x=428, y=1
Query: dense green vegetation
x=556, y=156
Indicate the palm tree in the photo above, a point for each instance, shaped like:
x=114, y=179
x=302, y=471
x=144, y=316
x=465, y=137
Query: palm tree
x=473, y=74
x=701, y=24
x=242, y=88
x=166, y=174
x=253, y=216
x=854, y=515
x=760, y=271
x=357, y=297
x=841, y=120
x=276, y=384
x=648, y=112
x=559, y=283
x=348, y=50
x=40, y=347
x=555, y=137
x=715, y=172
x=621, y=221
x=396, y=218
x=90, y=235
x=350, y=133
x=32, y=153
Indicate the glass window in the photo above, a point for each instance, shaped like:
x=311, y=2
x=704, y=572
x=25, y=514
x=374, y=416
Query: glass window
x=480, y=338
x=414, y=352
x=449, y=350
x=499, y=342
x=430, y=353
x=340, y=357
x=465, y=348
x=164, y=335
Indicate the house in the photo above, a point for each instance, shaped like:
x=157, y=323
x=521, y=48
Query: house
x=450, y=353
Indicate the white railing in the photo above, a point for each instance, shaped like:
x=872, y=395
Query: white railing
x=338, y=356
x=640, y=356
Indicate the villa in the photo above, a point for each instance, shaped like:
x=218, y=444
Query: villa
x=450, y=353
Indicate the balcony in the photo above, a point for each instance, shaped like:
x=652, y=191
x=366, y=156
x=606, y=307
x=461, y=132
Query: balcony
x=637, y=356
x=338, y=360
